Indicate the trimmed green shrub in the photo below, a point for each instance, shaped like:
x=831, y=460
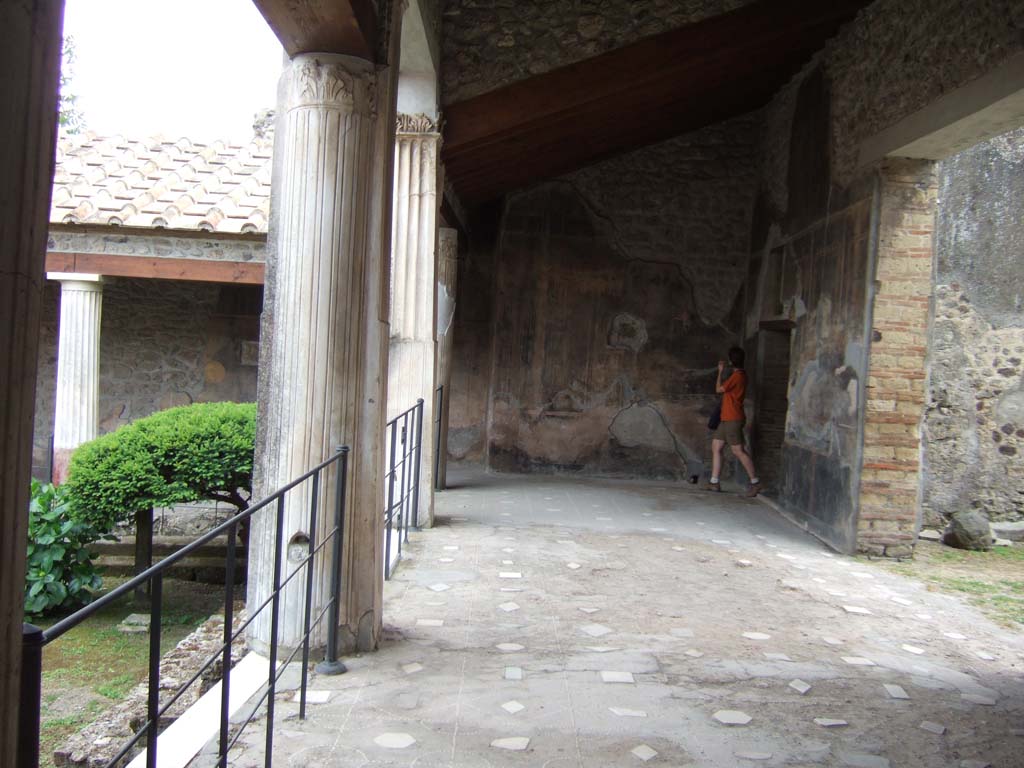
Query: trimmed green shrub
x=195, y=452
x=59, y=572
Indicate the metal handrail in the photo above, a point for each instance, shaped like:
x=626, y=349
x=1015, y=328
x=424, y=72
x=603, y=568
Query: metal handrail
x=34, y=639
x=404, y=440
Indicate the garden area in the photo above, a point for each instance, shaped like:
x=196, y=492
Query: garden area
x=181, y=455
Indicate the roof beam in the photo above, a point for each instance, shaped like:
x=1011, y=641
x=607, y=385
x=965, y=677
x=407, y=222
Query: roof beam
x=323, y=26
x=640, y=94
x=196, y=270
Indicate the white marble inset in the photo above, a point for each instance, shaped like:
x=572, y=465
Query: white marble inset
x=858, y=661
x=509, y=647
x=513, y=673
x=394, y=740
x=732, y=717
x=799, y=686
x=895, y=691
x=777, y=657
x=313, y=697
x=513, y=707
x=411, y=668
x=512, y=743
x=857, y=610
x=830, y=722
x=595, y=630
x=754, y=755
x=510, y=575
x=624, y=712
x=693, y=653
x=912, y=649
x=509, y=607
x=757, y=636
x=588, y=609
x=932, y=727
x=644, y=752
x=573, y=566
x=439, y=587
x=612, y=676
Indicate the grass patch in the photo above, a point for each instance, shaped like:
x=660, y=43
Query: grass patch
x=992, y=581
x=94, y=666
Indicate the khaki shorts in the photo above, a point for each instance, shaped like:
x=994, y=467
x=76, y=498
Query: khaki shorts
x=729, y=431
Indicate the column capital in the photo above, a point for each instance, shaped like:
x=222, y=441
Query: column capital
x=87, y=282
x=332, y=81
x=419, y=123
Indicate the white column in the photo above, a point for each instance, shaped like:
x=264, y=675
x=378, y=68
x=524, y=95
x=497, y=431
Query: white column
x=76, y=419
x=447, y=281
x=323, y=337
x=413, y=274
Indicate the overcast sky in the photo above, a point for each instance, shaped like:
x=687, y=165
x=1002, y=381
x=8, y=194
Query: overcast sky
x=195, y=68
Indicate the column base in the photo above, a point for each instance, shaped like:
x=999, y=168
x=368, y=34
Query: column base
x=330, y=668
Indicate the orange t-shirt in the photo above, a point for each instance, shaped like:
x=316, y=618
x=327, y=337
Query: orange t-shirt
x=732, y=398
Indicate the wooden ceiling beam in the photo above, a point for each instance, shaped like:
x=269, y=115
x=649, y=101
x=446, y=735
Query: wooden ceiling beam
x=633, y=96
x=323, y=26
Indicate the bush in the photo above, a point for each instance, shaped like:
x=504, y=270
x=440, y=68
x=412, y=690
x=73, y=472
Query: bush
x=195, y=452
x=59, y=573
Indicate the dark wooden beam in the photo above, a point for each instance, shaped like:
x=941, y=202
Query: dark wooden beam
x=247, y=272
x=633, y=96
x=323, y=26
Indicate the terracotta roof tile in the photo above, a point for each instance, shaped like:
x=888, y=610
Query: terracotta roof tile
x=155, y=182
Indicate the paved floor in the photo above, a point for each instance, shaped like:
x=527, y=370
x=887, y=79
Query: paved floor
x=556, y=623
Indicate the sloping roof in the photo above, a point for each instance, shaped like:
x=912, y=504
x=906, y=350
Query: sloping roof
x=159, y=183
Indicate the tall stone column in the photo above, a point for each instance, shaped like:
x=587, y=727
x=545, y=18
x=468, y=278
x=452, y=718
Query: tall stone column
x=323, y=361
x=413, y=280
x=447, y=282
x=30, y=62
x=76, y=419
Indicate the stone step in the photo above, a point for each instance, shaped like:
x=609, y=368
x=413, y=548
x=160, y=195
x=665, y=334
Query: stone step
x=165, y=545
x=1011, y=531
x=207, y=564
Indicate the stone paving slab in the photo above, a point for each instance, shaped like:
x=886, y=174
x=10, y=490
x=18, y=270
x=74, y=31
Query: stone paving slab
x=682, y=619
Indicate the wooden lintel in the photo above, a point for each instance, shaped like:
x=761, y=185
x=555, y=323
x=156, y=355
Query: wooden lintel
x=316, y=26
x=197, y=270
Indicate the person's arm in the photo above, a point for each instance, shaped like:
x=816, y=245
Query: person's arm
x=718, y=382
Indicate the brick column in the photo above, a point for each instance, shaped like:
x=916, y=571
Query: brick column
x=30, y=62
x=890, y=488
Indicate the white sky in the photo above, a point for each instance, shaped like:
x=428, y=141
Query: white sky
x=195, y=68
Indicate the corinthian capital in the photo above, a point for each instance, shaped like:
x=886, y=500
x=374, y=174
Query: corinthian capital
x=419, y=123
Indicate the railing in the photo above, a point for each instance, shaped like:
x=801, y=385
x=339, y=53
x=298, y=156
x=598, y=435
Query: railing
x=404, y=437
x=35, y=639
x=438, y=421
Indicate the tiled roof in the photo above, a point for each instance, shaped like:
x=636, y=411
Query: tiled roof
x=156, y=182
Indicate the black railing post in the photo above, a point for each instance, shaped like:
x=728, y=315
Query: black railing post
x=417, y=454
x=30, y=700
x=275, y=622
x=313, y=504
x=153, y=699
x=392, y=462
x=229, y=621
x=331, y=665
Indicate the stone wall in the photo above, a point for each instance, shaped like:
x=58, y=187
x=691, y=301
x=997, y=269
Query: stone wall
x=974, y=422
x=615, y=291
x=162, y=343
x=491, y=43
x=896, y=57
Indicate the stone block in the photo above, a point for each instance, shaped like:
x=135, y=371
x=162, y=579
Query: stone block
x=968, y=530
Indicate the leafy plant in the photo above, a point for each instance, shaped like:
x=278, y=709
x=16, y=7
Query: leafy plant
x=194, y=452
x=69, y=116
x=60, y=572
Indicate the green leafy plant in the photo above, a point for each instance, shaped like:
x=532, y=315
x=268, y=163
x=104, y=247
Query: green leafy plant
x=190, y=453
x=60, y=573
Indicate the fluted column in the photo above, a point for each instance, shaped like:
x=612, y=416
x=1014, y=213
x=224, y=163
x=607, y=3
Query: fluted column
x=30, y=62
x=447, y=281
x=413, y=275
x=76, y=419
x=323, y=339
